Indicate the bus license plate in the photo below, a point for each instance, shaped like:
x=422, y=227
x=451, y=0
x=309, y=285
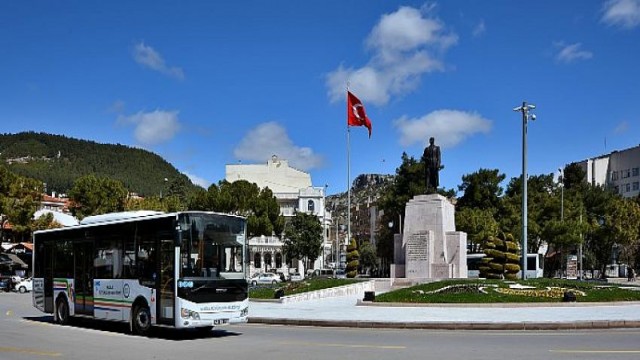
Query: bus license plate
x=220, y=321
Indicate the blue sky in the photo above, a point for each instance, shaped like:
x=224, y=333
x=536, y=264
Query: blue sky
x=210, y=83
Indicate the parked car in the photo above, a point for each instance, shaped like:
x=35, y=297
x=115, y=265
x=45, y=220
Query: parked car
x=26, y=285
x=265, y=278
x=297, y=277
x=5, y=284
x=340, y=274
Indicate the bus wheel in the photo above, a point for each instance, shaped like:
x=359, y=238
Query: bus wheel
x=141, y=320
x=62, y=311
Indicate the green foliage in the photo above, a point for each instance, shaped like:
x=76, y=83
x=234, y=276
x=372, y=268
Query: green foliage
x=481, y=190
x=368, y=259
x=59, y=160
x=91, y=195
x=502, y=258
x=303, y=238
x=352, y=259
x=297, y=287
x=19, y=199
x=478, y=223
x=493, y=292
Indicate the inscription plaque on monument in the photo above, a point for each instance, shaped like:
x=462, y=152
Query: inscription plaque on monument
x=417, y=254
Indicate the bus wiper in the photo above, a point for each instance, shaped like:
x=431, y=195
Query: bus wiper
x=198, y=288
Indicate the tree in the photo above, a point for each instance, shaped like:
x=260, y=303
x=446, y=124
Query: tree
x=91, y=195
x=303, y=238
x=481, y=189
x=45, y=221
x=19, y=200
x=368, y=259
x=241, y=197
x=479, y=224
x=352, y=259
x=575, y=177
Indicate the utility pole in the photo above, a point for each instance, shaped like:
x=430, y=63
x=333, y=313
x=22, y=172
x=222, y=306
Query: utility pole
x=524, y=109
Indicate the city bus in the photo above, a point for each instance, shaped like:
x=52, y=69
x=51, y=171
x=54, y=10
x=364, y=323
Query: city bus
x=180, y=270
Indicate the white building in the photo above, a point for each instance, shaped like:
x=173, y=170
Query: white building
x=619, y=171
x=294, y=193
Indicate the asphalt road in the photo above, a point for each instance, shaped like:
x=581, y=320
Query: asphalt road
x=25, y=333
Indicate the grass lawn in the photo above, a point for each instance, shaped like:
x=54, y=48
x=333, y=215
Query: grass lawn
x=499, y=291
x=296, y=287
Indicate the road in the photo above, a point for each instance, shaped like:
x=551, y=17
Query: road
x=25, y=333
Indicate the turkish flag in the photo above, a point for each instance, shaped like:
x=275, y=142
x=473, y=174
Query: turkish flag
x=356, y=116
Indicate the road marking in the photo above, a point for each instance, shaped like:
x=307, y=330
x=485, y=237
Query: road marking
x=29, y=351
x=596, y=351
x=353, y=346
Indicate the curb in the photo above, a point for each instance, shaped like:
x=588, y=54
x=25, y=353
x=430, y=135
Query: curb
x=578, y=325
x=497, y=305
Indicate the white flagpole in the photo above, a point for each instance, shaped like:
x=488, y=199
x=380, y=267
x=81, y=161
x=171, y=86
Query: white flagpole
x=348, y=173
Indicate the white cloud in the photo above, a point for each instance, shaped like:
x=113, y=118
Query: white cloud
x=448, y=127
x=479, y=30
x=271, y=138
x=621, y=128
x=198, y=180
x=570, y=53
x=623, y=13
x=405, y=45
x=148, y=57
x=153, y=127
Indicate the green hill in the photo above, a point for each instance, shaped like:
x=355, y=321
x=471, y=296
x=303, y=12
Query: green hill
x=58, y=160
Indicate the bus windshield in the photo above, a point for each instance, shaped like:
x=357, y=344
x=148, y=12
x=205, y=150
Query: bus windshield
x=212, y=246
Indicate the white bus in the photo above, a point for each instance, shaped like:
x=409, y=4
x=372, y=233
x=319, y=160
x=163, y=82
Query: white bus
x=182, y=270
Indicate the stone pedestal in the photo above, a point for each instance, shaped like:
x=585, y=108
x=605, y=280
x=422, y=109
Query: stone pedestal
x=430, y=247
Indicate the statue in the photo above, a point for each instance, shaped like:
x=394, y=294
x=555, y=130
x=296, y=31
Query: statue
x=431, y=158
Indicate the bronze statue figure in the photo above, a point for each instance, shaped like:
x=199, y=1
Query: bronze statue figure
x=432, y=165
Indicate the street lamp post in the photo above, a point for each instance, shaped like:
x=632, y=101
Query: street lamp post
x=524, y=109
x=561, y=194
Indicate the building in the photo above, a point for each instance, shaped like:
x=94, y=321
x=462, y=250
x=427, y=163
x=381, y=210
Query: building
x=294, y=192
x=619, y=171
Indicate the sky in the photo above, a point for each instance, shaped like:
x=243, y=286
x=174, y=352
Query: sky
x=209, y=83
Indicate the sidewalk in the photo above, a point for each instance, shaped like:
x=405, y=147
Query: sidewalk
x=350, y=311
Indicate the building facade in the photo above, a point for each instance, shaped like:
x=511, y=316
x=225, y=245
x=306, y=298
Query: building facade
x=294, y=192
x=618, y=171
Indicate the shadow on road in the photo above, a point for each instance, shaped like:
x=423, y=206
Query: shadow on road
x=122, y=328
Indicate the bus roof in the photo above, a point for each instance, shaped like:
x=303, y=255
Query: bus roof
x=117, y=216
x=127, y=216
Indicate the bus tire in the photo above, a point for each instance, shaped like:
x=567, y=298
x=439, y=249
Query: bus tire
x=141, y=320
x=62, y=311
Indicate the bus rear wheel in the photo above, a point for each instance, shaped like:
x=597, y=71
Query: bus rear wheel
x=141, y=320
x=62, y=311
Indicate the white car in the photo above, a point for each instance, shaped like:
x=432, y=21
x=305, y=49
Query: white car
x=265, y=278
x=24, y=286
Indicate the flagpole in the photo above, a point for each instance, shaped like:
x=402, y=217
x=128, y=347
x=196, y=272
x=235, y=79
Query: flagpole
x=348, y=175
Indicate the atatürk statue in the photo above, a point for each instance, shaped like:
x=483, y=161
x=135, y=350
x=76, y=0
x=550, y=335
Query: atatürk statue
x=431, y=158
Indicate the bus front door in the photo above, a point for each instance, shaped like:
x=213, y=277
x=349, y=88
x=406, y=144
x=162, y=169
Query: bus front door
x=83, y=278
x=167, y=280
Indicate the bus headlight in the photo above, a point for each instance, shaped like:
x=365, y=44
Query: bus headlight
x=188, y=314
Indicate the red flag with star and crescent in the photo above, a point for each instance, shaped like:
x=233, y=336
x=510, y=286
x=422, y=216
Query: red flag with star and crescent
x=356, y=115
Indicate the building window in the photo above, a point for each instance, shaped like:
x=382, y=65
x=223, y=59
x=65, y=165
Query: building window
x=614, y=175
x=635, y=171
x=628, y=187
x=616, y=189
x=311, y=206
x=636, y=186
x=626, y=173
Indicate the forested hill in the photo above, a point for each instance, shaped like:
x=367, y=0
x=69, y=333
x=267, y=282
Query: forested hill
x=58, y=160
